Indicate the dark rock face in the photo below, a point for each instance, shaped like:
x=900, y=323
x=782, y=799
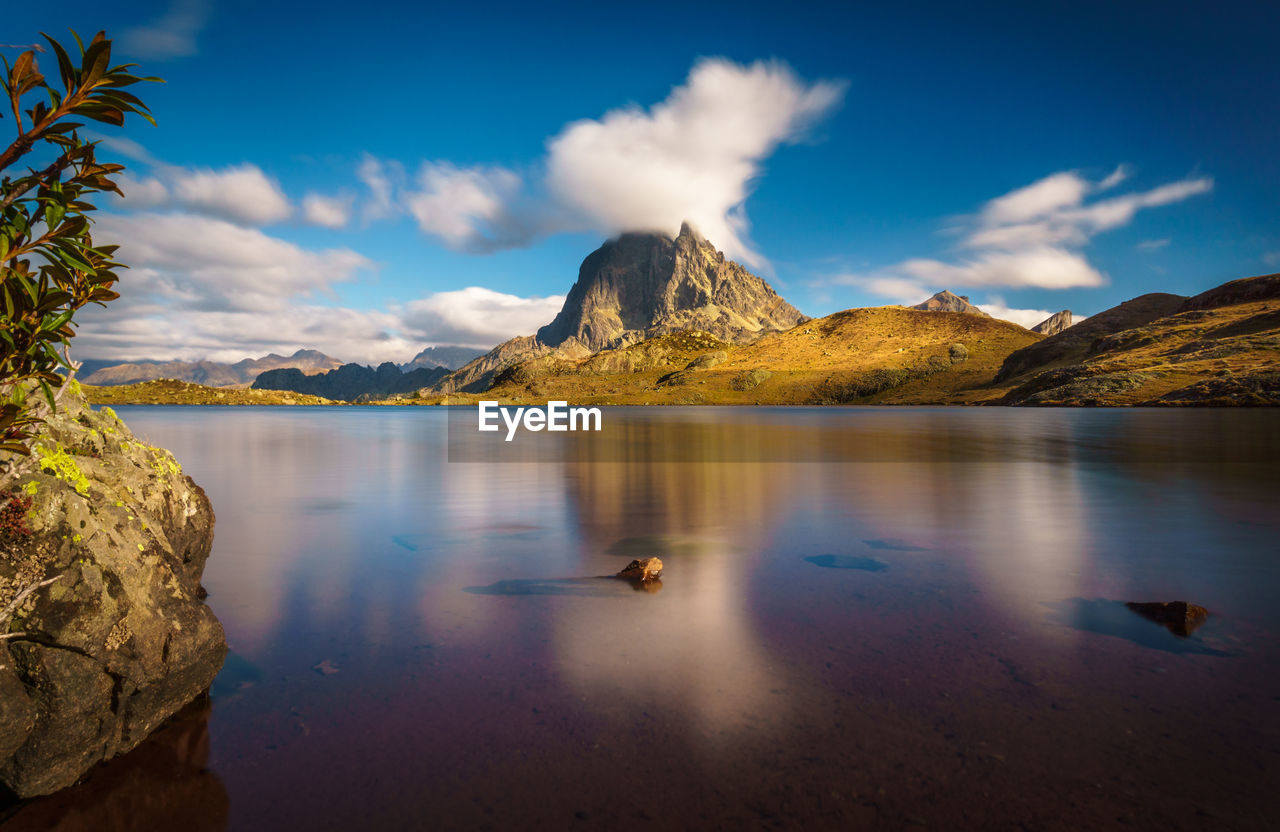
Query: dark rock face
x=122, y=640
x=1178, y=617
x=641, y=285
x=945, y=301
x=351, y=382
x=1073, y=345
x=1054, y=323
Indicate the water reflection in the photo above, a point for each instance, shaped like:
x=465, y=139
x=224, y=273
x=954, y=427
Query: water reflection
x=915, y=590
x=162, y=784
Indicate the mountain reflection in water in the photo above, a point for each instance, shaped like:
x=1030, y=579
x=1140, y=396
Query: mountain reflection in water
x=953, y=666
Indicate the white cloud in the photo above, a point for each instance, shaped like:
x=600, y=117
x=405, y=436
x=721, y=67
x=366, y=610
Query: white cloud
x=1153, y=245
x=326, y=211
x=478, y=317
x=242, y=193
x=162, y=332
x=202, y=287
x=457, y=204
x=1028, y=318
x=1042, y=267
x=1039, y=199
x=142, y=193
x=216, y=264
x=172, y=36
x=1031, y=237
x=691, y=157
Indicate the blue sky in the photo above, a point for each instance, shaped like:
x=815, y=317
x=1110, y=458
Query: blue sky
x=371, y=179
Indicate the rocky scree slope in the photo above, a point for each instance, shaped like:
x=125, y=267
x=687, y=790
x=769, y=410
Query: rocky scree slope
x=121, y=639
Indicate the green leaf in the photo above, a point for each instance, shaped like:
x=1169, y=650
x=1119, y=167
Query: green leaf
x=65, y=68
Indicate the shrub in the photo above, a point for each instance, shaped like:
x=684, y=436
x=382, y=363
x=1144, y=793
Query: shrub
x=50, y=265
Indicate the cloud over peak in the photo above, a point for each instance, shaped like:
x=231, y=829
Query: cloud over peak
x=692, y=157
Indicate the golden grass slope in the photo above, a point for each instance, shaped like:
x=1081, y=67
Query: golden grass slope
x=882, y=355
x=170, y=391
x=1223, y=356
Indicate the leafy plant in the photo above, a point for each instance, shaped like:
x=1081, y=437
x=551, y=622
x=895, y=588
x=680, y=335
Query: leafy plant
x=50, y=265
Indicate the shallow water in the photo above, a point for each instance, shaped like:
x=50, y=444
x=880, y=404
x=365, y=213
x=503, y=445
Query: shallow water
x=926, y=627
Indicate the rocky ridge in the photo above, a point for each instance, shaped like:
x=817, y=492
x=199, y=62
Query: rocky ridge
x=1054, y=324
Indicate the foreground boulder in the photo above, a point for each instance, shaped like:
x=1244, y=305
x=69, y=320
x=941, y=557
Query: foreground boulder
x=122, y=639
x=645, y=569
x=1178, y=617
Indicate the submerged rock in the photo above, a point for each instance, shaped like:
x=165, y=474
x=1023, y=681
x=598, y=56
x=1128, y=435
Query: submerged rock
x=644, y=570
x=122, y=639
x=1178, y=617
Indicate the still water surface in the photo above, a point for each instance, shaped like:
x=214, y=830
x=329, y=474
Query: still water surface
x=927, y=628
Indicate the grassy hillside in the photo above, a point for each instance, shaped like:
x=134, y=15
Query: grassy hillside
x=1225, y=355
x=169, y=391
x=887, y=355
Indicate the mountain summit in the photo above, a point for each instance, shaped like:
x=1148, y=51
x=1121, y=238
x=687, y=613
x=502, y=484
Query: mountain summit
x=641, y=285
x=945, y=301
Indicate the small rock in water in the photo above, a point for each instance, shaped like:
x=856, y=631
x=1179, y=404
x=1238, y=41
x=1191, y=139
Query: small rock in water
x=645, y=569
x=1178, y=617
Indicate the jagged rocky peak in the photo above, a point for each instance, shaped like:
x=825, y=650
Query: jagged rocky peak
x=1054, y=323
x=643, y=284
x=945, y=301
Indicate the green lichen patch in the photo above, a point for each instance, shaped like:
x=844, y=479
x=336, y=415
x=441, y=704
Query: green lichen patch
x=58, y=462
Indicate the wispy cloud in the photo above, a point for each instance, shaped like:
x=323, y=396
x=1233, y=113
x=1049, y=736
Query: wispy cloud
x=1153, y=245
x=1032, y=237
x=1271, y=258
x=171, y=36
x=327, y=211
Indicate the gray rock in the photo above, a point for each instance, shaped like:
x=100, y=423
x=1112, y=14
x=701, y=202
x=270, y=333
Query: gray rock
x=945, y=301
x=122, y=640
x=1054, y=324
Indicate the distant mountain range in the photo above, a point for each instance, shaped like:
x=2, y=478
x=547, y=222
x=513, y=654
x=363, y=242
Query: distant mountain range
x=209, y=373
x=244, y=373
x=451, y=358
x=351, y=382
